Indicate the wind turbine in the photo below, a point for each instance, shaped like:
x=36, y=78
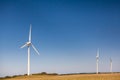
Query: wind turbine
x=97, y=60
x=28, y=44
x=110, y=65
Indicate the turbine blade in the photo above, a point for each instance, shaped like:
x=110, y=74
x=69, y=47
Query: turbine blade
x=35, y=49
x=23, y=46
x=30, y=33
x=110, y=60
x=98, y=52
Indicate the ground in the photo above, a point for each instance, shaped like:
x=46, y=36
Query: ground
x=115, y=76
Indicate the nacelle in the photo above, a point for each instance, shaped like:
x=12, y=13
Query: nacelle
x=28, y=43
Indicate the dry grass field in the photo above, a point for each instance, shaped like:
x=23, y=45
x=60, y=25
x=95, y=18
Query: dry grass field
x=68, y=77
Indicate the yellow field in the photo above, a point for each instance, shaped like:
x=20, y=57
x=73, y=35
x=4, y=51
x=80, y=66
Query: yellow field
x=68, y=77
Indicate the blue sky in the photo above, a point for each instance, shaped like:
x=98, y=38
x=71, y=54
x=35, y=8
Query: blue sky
x=67, y=34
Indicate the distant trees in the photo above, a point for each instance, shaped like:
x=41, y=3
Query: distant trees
x=45, y=73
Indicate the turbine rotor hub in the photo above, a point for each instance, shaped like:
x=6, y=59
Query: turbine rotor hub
x=28, y=43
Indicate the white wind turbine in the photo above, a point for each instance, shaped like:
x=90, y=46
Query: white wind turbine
x=110, y=65
x=28, y=44
x=97, y=61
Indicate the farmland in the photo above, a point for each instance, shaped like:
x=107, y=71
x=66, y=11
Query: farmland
x=115, y=76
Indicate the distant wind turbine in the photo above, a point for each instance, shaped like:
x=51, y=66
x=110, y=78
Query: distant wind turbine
x=97, y=61
x=28, y=44
x=110, y=65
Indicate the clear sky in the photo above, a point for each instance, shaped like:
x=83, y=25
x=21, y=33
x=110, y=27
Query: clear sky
x=67, y=34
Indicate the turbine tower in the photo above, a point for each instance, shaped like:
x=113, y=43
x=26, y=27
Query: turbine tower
x=97, y=61
x=28, y=45
x=110, y=65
